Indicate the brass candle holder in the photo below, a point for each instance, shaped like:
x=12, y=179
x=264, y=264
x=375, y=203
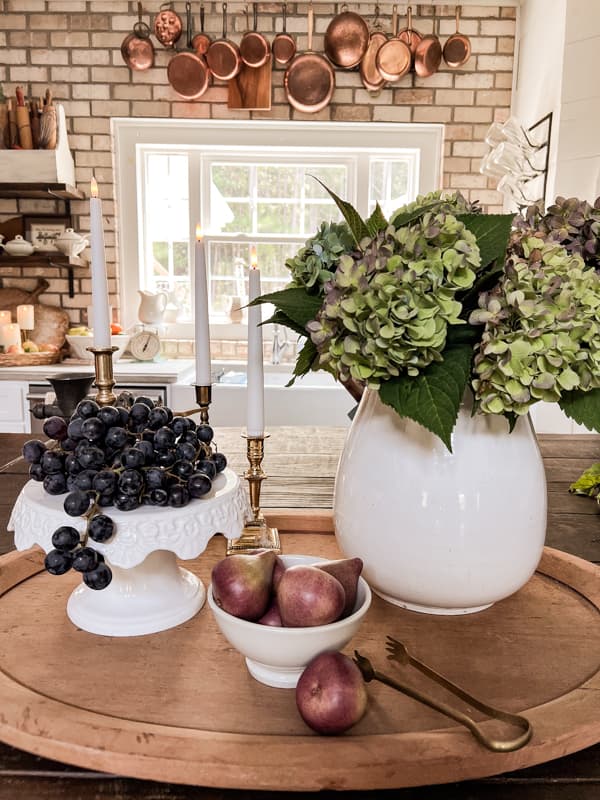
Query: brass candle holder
x=203, y=399
x=103, y=367
x=256, y=533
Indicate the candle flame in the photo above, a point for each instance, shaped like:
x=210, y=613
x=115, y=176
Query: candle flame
x=253, y=257
x=94, y=187
x=198, y=232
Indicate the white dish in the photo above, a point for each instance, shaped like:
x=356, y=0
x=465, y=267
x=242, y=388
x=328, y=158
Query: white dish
x=78, y=345
x=277, y=656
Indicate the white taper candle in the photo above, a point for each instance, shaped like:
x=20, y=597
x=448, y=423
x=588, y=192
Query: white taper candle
x=98, y=269
x=202, y=328
x=256, y=378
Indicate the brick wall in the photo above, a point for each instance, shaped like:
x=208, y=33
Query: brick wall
x=73, y=46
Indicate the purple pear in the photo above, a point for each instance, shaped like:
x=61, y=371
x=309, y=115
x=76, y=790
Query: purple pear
x=241, y=584
x=278, y=571
x=272, y=616
x=309, y=596
x=347, y=571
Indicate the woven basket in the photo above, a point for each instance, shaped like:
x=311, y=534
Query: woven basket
x=28, y=359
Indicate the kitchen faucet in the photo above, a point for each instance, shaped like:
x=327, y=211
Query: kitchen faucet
x=279, y=344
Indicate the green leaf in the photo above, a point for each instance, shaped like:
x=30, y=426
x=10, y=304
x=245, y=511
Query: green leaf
x=492, y=232
x=357, y=225
x=304, y=361
x=433, y=398
x=295, y=303
x=400, y=220
x=376, y=222
x=279, y=318
x=588, y=482
x=583, y=407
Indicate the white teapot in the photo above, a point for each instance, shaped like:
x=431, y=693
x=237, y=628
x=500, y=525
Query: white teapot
x=70, y=243
x=19, y=247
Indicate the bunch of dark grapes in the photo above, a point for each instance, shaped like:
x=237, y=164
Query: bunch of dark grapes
x=134, y=453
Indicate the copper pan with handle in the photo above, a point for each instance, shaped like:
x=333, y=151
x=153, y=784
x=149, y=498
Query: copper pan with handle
x=457, y=49
x=346, y=39
x=167, y=25
x=393, y=58
x=223, y=56
x=187, y=72
x=409, y=34
x=201, y=41
x=372, y=79
x=309, y=81
x=427, y=56
x=284, y=45
x=255, y=50
x=137, y=49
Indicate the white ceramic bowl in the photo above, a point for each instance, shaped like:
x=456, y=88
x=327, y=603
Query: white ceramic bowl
x=277, y=656
x=78, y=345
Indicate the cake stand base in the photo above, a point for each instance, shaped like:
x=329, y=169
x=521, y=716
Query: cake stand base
x=153, y=596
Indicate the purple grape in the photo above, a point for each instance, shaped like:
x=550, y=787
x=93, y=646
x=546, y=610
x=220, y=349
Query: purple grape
x=93, y=429
x=86, y=559
x=220, y=461
x=52, y=462
x=36, y=472
x=87, y=409
x=208, y=467
x=199, y=484
x=33, y=450
x=110, y=416
x=55, y=483
x=76, y=503
x=131, y=482
x=157, y=418
x=164, y=438
x=178, y=496
x=205, y=433
x=55, y=428
x=98, y=578
x=101, y=528
x=65, y=538
x=57, y=562
x=116, y=437
x=126, y=502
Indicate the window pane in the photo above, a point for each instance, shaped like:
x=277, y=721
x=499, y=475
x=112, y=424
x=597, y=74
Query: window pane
x=315, y=214
x=279, y=217
x=230, y=180
x=390, y=183
x=335, y=177
x=278, y=181
x=181, y=258
x=229, y=217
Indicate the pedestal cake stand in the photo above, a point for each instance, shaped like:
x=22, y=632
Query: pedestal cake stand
x=149, y=592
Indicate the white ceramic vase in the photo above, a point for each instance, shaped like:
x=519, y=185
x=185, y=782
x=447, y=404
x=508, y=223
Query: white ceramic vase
x=441, y=532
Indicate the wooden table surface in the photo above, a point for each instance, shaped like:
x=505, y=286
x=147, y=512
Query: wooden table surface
x=301, y=464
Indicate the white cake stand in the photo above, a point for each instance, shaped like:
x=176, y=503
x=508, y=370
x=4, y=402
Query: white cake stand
x=149, y=592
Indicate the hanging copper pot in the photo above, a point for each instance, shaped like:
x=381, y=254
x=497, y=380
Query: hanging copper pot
x=409, y=34
x=309, y=81
x=346, y=39
x=284, y=45
x=254, y=47
x=372, y=79
x=428, y=56
x=167, y=25
x=201, y=41
x=137, y=48
x=457, y=49
x=187, y=72
x=223, y=56
x=393, y=58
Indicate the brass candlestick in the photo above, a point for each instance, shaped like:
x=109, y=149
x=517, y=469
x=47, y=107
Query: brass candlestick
x=203, y=398
x=103, y=367
x=256, y=533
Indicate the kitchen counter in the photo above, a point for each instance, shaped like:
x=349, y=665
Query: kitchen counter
x=301, y=465
x=125, y=370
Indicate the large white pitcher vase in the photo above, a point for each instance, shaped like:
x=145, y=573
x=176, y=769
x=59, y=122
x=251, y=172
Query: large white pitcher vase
x=441, y=532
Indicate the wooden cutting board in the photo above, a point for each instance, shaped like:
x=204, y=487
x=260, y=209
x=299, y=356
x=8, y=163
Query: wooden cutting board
x=51, y=323
x=251, y=88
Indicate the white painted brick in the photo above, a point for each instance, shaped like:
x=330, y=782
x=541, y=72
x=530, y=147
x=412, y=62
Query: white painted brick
x=473, y=114
x=497, y=27
x=49, y=57
x=26, y=74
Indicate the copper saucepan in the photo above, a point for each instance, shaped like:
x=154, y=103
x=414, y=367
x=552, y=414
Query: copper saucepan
x=393, y=58
x=201, y=41
x=372, y=79
x=428, y=56
x=167, y=25
x=137, y=48
x=284, y=45
x=187, y=72
x=346, y=39
x=409, y=34
x=254, y=47
x=309, y=81
x=223, y=56
x=457, y=49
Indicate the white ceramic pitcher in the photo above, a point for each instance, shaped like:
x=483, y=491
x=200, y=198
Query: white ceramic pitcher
x=152, y=306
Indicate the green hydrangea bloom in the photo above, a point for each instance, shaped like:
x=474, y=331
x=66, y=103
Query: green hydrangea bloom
x=387, y=308
x=438, y=201
x=315, y=263
x=542, y=330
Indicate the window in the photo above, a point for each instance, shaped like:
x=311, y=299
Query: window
x=250, y=183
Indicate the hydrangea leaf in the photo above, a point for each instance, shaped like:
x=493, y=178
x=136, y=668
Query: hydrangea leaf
x=304, y=361
x=433, y=398
x=583, y=407
x=492, y=232
x=356, y=223
x=376, y=222
x=295, y=303
x=588, y=482
x=279, y=318
x=401, y=219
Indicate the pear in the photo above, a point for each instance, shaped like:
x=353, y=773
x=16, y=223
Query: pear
x=241, y=584
x=272, y=616
x=347, y=571
x=308, y=596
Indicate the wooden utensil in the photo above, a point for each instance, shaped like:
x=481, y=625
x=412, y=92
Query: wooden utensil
x=187, y=72
x=48, y=123
x=13, y=139
x=346, y=39
x=309, y=81
x=393, y=58
x=34, y=121
x=251, y=88
x=457, y=49
x=223, y=56
x=284, y=45
x=23, y=124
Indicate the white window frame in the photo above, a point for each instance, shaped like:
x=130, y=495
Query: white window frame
x=129, y=135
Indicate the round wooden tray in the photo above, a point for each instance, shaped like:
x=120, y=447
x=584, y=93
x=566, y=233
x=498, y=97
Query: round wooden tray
x=180, y=706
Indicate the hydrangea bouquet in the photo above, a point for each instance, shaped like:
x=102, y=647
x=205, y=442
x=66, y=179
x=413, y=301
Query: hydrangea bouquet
x=441, y=298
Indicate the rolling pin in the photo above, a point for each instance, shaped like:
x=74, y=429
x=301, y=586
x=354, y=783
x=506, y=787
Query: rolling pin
x=12, y=124
x=23, y=124
x=34, y=120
